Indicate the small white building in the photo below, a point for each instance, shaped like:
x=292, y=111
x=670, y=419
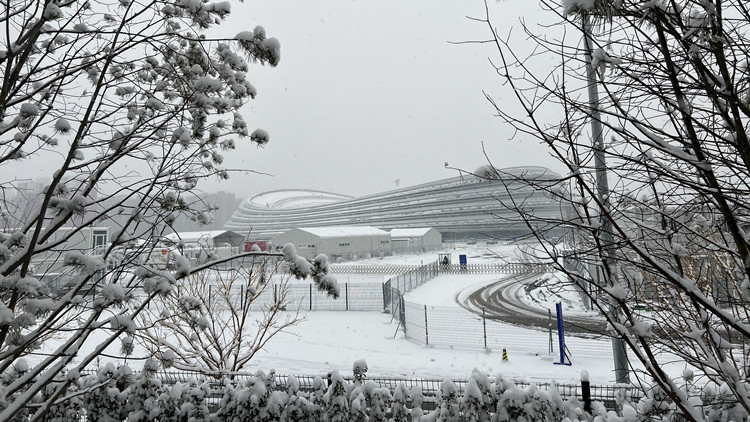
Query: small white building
x=415, y=240
x=89, y=240
x=338, y=243
x=206, y=239
x=198, y=247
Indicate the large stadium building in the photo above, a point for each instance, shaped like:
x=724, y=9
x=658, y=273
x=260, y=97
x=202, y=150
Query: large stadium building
x=460, y=208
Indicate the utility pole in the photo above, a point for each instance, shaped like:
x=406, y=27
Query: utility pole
x=602, y=190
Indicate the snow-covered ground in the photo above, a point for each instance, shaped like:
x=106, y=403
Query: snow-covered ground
x=327, y=341
x=334, y=340
x=330, y=340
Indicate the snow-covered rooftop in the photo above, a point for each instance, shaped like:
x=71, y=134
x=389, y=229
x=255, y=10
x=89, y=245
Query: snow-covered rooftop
x=195, y=236
x=415, y=232
x=295, y=198
x=344, y=231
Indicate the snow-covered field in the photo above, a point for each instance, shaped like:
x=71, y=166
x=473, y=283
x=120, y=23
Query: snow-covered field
x=332, y=340
x=327, y=341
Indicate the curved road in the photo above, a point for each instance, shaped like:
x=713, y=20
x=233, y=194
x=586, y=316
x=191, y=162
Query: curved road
x=502, y=301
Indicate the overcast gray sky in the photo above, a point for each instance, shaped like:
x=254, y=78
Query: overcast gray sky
x=371, y=94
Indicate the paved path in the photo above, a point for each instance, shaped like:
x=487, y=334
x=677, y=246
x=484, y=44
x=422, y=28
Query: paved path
x=503, y=300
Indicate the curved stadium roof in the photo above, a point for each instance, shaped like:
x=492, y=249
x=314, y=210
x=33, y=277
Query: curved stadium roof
x=458, y=207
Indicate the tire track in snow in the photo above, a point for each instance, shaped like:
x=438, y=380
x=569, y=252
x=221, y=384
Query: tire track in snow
x=502, y=300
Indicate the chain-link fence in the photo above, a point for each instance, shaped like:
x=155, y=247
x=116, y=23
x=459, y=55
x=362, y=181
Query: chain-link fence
x=446, y=326
x=394, y=288
x=371, y=269
x=504, y=268
x=365, y=296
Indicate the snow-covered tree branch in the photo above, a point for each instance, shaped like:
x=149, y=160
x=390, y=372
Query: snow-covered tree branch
x=124, y=107
x=212, y=323
x=665, y=245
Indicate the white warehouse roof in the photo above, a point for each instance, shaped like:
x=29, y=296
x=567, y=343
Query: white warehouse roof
x=416, y=232
x=344, y=231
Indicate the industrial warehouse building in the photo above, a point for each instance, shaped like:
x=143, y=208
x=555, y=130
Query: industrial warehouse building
x=338, y=243
x=415, y=240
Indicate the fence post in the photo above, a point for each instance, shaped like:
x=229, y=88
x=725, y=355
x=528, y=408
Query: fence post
x=426, y=334
x=385, y=295
x=549, y=318
x=402, y=313
x=311, y=293
x=586, y=391
x=346, y=290
x=484, y=327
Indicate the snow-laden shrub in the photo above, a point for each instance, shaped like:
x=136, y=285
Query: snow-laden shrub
x=297, y=408
x=142, y=404
x=556, y=402
x=228, y=401
x=448, y=408
x=193, y=407
x=66, y=410
x=318, y=398
x=380, y=402
x=106, y=394
x=511, y=403
x=248, y=401
x=114, y=394
x=277, y=402
x=417, y=399
x=472, y=403
x=358, y=407
x=719, y=405
x=489, y=401
x=336, y=402
x=170, y=402
x=399, y=409
x=9, y=377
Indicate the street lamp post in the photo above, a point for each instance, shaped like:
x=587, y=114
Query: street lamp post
x=602, y=190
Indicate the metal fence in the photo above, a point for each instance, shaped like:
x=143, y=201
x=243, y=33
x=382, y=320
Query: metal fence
x=414, y=278
x=394, y=288
x=376, y=296
x=353, y=297
x=607, y=394
x=366, y=296
x=371, y=269
x=506, y=268
x=445, y=326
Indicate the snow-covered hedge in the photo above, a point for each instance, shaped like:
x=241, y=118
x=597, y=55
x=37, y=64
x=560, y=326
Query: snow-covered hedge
x=118, y=394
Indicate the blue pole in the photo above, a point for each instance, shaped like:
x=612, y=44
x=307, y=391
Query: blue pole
x=561, y=333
